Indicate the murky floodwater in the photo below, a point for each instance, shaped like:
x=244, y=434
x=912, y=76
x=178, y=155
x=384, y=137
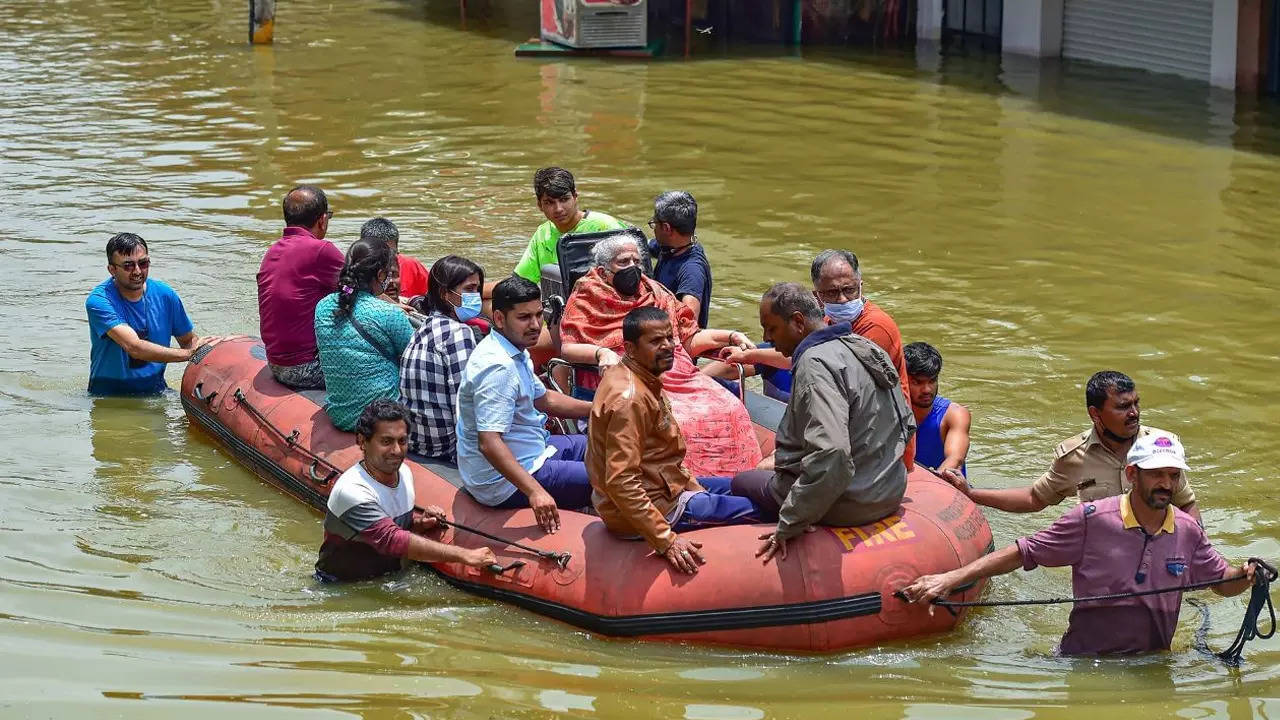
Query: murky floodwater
x=1034, y=226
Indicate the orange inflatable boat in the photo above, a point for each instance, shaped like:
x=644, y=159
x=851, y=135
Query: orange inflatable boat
x=833, y=592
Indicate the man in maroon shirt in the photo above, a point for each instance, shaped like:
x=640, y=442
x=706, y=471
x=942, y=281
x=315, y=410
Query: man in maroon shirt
x=1124, y=543
x=297, y=271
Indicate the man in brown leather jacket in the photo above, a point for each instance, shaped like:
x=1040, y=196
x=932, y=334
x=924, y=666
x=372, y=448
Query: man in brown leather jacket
x=635, y=452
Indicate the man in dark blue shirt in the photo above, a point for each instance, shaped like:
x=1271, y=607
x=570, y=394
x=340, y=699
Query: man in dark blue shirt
x=131, y=322
x=682, y=265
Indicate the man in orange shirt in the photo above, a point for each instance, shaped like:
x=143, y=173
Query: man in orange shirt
x=837, y=282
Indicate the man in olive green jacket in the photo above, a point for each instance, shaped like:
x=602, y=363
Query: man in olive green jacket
x=840, y=443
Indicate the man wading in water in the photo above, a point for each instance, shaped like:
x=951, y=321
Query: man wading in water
x=1127, y=543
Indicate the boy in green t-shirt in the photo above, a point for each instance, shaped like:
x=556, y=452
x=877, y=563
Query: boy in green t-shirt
x=558, y=200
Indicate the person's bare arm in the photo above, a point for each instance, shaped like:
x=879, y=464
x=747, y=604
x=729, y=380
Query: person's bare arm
x=495, y=450
x=931, y=587
x=557, y=404
x=1017, y=500
x=709, y=339
x=427, y=550
x=955, y=434
x=588, y=354
x=758, y=356
x=693, y=303
x=147, y=351
x=1193, y=510
x=1244, y=579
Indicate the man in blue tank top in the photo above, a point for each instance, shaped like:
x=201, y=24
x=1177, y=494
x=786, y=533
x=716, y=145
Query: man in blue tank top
x=942, y=442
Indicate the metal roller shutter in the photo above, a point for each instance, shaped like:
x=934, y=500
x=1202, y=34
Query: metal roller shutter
x=1172, y=36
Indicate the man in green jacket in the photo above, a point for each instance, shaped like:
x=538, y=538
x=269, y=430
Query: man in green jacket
x=840, y=442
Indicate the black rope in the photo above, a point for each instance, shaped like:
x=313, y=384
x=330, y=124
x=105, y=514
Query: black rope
x=1260, y=597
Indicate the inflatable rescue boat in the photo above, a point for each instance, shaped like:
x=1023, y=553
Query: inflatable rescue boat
x=834, y=591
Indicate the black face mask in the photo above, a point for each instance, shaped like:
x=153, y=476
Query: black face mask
x=627, y=280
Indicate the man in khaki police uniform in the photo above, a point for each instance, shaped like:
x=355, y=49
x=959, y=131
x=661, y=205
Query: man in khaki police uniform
x=1091, y=464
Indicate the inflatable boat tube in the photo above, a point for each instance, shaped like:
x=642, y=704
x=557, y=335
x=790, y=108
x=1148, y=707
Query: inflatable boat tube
x=833, y=592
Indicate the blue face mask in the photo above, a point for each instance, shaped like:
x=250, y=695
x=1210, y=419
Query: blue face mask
x=470, y=308
x=845, y=312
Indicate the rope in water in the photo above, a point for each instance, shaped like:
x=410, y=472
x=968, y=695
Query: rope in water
x=1259, y=598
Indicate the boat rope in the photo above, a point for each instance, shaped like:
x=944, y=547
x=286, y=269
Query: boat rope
x=290, y=439
x=560, y=558
x=1260, y=597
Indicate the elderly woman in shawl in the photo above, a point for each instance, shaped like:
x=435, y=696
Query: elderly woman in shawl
x=717, y=429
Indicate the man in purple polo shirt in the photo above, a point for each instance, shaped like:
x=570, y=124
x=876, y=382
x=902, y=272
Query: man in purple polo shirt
x=1125, y=543
x=297, y=271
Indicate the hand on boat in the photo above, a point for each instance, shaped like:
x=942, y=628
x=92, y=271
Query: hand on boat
x=544, y=509
x=957, y=480
x=773, y=545
x=685, y=555
x=428, y=519
x=479, y=557
x=928, y=588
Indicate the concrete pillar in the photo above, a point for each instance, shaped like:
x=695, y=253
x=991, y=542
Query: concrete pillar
x=929, y=20
x=1222, y=52
x=1032, y=27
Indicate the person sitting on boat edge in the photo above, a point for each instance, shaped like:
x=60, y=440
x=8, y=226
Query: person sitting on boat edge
x=682, y=266
x=131, y=322
x=1123, y=543
x=360, y=337
x=837, y=283
x=557, y=197
x=431, y=366
x=1089, y=465
x=370, y=524
x=506, y=457
x=942, y=441
x=410, y=273
x=721, y=438
x=635, y=453
x=841, y=439
x=296, y=272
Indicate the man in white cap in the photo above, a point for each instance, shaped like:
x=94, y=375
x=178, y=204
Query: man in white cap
x=1126, y=543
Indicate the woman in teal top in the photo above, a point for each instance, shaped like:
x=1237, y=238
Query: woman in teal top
x=360, y=337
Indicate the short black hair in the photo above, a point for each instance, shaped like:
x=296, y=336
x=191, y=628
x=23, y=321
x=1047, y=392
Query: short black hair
x=1103, y=384
x=304, y=206
x=514, y=291
x=378, y=411
x=788, y=297
x=382, y=229
x=679, y=209
x=826, y=256
x=125, y=244
x=923, y=359
x=633, y=324
x=553, y=182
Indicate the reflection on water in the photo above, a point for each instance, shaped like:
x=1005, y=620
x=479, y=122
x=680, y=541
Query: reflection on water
x=1036, y=224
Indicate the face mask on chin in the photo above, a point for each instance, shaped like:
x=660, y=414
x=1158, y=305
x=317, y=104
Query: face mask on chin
x=627, y=281
x=845, y=312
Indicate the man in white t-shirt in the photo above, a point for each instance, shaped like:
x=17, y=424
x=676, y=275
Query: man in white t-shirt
x=370, y=527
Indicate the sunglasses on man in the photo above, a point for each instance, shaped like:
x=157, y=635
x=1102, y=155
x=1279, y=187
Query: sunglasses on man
x=131, y=265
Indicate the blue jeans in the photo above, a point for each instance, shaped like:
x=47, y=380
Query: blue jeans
x=716, y=506
x=563, y=476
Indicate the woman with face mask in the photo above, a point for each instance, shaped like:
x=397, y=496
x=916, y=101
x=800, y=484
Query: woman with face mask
x=431, y=367
x=714, y=423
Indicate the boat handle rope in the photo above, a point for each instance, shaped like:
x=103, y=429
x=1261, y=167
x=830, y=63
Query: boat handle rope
x=558, y=557
x=1259, y=598
x=290, y=439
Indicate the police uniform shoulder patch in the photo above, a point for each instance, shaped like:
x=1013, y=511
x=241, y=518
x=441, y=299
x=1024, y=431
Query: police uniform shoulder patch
x=1071, y=443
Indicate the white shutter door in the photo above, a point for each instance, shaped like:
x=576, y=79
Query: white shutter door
x=1172, y=36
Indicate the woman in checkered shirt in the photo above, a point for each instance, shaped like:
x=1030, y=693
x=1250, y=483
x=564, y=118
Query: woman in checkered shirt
x=431, y=366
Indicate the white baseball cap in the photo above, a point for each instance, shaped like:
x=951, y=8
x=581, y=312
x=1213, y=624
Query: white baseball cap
x=1157, y=451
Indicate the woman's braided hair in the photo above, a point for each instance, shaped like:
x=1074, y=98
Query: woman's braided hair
x=366, y=258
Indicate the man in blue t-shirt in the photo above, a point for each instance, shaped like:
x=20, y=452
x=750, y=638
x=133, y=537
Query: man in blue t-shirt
x=131, y=321
x=682, y=265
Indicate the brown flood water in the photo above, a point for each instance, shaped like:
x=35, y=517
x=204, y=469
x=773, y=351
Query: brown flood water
x=1035, y=228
